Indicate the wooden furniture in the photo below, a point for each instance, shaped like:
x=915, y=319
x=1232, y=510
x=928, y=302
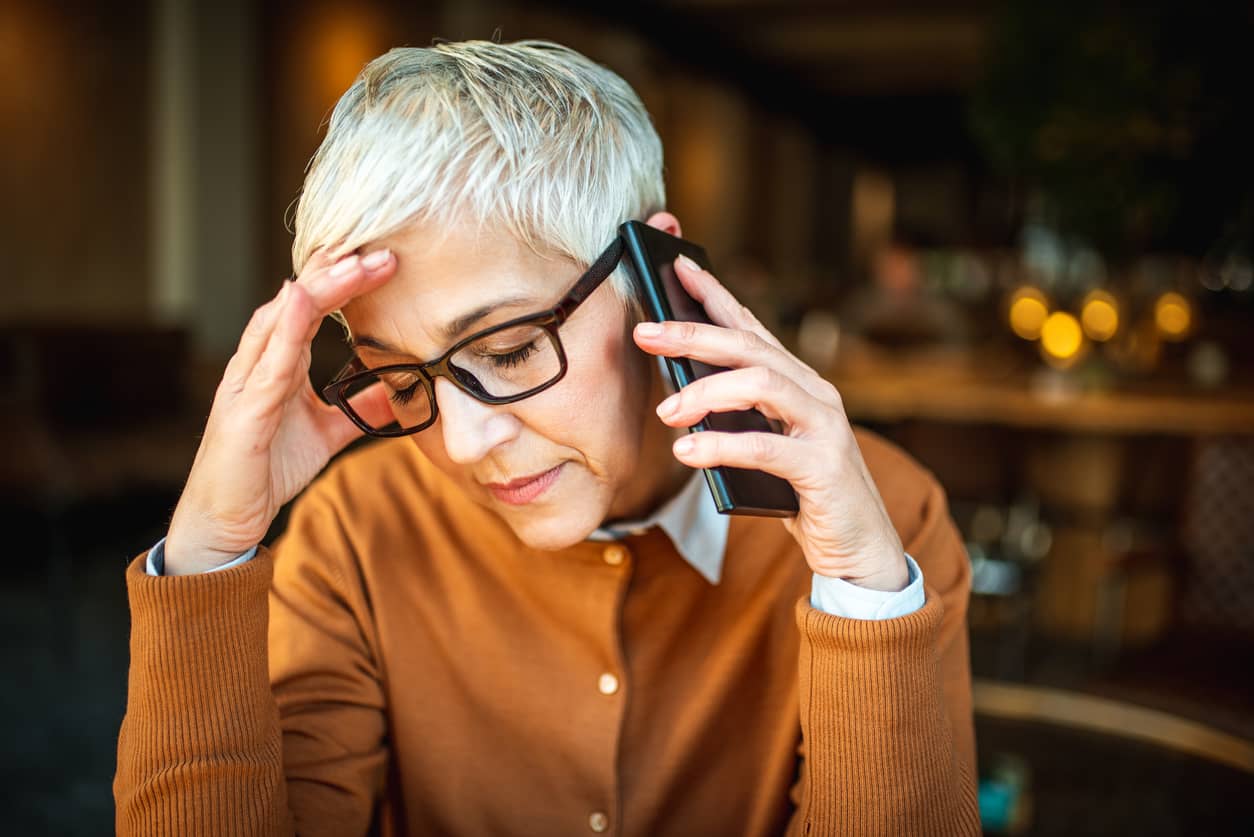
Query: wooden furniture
x=1082, y=452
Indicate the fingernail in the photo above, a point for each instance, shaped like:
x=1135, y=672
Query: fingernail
x=684, y=445
x=345, y=266
x=376, y=259
x=689, y=263
x=649, y=330
x=668, y=407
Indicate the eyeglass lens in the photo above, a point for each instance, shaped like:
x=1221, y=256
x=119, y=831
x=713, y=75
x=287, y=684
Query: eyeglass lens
x=501, y=364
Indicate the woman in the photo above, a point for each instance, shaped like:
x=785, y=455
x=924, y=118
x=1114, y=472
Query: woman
x=521, y=614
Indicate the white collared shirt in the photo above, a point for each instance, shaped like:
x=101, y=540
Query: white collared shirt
x=699, y=534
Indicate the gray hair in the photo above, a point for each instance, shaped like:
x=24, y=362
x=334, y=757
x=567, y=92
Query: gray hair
x=530, y=137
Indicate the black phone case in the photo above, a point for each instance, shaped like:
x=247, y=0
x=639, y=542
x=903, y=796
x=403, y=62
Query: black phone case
x=650, y=260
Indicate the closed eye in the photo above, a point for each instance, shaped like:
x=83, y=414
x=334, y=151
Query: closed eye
x=404, y=396
x=515, y=357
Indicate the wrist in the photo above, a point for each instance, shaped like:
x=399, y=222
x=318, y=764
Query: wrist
x=891, y=580
x=186, y=557
x=888, y=572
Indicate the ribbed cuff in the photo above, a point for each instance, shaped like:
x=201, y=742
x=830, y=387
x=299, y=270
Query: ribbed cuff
x=871, y=655
x=201, y=722
x=878, y=744
x=198, y=648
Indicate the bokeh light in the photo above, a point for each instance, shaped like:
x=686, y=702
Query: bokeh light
x=1028, y=312
x=1061, y=339
x=1173, y=316
x=1099, y=316
x=340, y=40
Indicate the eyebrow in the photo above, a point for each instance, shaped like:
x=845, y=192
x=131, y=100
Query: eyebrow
x=450, y=330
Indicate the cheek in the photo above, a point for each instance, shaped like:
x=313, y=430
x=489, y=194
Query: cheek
x=599, y=408
x=431, y=443
x=594, y=413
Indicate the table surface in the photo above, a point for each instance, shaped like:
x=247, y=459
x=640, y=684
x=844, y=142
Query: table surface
x=985, y=388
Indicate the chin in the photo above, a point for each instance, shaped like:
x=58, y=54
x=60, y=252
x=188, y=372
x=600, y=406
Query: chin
x=551, y=532
x=557, y=527
x=572, y=509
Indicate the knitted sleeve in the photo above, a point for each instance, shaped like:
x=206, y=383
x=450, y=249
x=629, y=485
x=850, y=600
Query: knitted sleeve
x=254, y=704
x=888, y=745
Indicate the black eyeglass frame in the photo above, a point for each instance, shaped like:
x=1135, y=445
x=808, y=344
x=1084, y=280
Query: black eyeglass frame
x=336, y=392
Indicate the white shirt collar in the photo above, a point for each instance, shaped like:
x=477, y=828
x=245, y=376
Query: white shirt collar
x=692, y=523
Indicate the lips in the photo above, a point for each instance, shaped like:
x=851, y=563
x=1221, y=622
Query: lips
x=525, y=489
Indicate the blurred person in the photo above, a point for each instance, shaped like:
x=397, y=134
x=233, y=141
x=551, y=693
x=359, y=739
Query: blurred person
x=896, y=308
x=520, y=612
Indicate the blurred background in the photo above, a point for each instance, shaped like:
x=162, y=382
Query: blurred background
x=1017, y=236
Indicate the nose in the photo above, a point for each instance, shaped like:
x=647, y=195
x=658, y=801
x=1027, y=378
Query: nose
x=471, y=428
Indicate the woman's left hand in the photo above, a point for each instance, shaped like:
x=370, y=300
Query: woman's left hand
x=842, y=525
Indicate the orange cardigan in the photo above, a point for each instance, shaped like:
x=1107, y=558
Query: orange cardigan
x=420, y=671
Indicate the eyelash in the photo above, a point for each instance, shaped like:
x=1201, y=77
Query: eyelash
x=404, y=396
x=507, y=360
x=514, y=357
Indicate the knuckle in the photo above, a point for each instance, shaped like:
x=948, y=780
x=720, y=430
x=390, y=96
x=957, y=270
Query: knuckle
x=834, y=396
x=750, y=342
x=822, y=389
x=230, y=384
x=263, y=375
x=269, y=374
x=842, y=447
x=759, y=447
x=297, y=303
x=699, y=388
x=710, y=445
x=686, y=331
x=257, y=322
x=225, y=395
x=766, y=379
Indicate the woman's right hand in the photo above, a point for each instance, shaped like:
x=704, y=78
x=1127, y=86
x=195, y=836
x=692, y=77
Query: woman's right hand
x=268, y=433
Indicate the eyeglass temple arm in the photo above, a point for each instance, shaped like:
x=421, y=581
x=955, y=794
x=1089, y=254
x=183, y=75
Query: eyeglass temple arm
x=600, y=269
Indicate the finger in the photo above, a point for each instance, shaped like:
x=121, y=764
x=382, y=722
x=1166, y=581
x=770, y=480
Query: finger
x=252, y=343
x=782, y=456
x=331, y=286
x=272, y=379
x=730, y=347
x=757, y=388
x=257, y=332
x=719, y=303
x=321, y=257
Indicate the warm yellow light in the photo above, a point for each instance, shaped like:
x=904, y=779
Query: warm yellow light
x=1100, y=316
x=342, y=40
x=1028, y=312
x=1173, y=316
x=1061, y=338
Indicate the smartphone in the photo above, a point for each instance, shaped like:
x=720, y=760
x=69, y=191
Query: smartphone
x=650, y=260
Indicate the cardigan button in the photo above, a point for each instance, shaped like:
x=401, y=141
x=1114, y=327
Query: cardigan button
x=608, y=684
x=614, y=555
x=598, y=822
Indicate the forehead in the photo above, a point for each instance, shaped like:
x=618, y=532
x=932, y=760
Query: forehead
x=444, y=274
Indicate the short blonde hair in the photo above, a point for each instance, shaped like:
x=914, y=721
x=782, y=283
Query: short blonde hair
x=530, y=137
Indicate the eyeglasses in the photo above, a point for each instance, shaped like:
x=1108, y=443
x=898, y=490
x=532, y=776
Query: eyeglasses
x=499, y=365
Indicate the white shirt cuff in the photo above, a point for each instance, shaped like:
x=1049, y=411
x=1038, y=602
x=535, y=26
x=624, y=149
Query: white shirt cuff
x=840, y=598
x=156, y=560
